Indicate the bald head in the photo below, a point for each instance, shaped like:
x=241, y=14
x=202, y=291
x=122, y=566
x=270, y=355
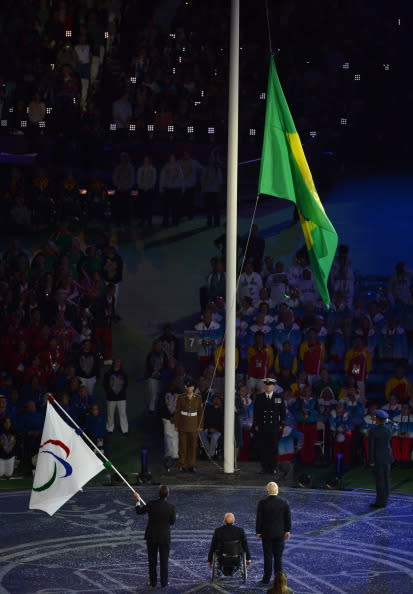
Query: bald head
x=229, y=518
x=272, y=488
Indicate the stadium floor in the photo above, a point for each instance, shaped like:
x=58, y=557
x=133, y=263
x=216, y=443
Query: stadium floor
x=95, y=543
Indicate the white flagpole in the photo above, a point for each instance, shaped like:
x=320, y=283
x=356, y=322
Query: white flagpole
x=231, y=240
x=53, y=400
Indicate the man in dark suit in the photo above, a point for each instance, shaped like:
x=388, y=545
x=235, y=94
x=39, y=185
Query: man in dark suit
x=380, y=456
x=273, y=526
x=158, y=533
x=269, y=414
x=227, y=533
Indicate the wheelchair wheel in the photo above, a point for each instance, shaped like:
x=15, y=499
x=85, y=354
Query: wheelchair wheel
x=243, y=568
x=214, y=567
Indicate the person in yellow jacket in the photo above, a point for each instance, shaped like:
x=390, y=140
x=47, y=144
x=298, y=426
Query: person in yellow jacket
x=400, y=385
x=219, y=360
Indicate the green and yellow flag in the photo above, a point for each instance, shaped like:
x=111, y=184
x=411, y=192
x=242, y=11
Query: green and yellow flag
x=285, y=174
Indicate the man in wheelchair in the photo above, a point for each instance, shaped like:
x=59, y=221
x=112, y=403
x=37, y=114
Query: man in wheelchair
x=229, y=551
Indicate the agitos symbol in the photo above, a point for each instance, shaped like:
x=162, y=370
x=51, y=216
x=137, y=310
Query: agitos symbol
x=66, y=465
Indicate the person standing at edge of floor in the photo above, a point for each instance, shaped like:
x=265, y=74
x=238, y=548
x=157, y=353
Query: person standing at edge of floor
x=188, y=420
x=161, y=516
x=380, y=455
x=273, y=527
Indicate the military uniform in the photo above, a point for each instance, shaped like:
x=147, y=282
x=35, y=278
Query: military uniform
x=188, y=421
x=269, y=414
x=380, y=456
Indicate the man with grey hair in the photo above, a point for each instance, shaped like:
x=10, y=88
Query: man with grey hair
x=273, y=526
x=226, y=533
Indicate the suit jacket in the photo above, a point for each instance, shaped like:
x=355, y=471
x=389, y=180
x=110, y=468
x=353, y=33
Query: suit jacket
x=226, y=533
x=161, y=516
x=269, y=413
x=380, y=451
x=273, y=517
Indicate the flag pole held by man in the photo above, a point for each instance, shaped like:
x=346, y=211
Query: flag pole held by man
x=285, y=174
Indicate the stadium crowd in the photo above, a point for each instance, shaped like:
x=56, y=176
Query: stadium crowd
x=333, y=367
x=57, y=308
x=70, y=70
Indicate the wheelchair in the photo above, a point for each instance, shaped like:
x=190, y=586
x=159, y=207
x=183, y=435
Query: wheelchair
x=229, y=561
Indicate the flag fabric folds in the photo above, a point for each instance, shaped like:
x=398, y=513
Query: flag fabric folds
x=64, y=464
x=285, y=174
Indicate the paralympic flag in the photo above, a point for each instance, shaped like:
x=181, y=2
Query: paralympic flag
x=65, y=463
x=285, y=174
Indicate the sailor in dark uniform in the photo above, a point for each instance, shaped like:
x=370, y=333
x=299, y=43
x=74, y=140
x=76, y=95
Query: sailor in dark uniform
x=269, y=414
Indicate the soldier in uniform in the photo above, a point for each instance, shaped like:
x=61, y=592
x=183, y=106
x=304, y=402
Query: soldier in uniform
x=380, y=455
x=269, y=414
x=188, y=422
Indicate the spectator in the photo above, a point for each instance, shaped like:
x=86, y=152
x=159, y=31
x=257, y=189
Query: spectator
x=400, y=385
x=171, y=187
x=146, y=181
x=398, y=289
x=115, y=383
x=211, y=182
x=156, y=362
x=312, y=355
x=122, y=111
x=170, y=434
x=123, y=180
x=95, y=426
x=249, y=283
x=170, y=343
x=216, y=280
x=209, y=338
x=103, y=310
x=357, y=362
x=8, y=448
x=36, y=110
x=254, y=247
x=87, y=366
x=277, y=284
x=260, y=358
x=213, y=426
x=190, y=169
x=342, y=276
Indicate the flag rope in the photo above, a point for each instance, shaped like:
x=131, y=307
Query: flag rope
x=79, y=431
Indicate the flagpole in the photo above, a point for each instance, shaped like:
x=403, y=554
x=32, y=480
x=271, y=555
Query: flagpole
x=231, y=241
x=53, y=400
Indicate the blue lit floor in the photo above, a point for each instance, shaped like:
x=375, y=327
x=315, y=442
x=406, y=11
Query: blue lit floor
x=95, y=543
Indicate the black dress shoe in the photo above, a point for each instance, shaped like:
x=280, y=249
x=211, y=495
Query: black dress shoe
x=192, y=469
x=182, y=470
x=265, y=581
x=376, y=505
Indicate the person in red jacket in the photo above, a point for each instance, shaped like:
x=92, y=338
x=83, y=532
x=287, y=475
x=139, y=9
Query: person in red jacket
x=312, y=355
x=357, y=362
x=260, y=357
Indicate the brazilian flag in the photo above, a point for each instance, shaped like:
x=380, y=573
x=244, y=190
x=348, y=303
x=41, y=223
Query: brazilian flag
x=285, y=174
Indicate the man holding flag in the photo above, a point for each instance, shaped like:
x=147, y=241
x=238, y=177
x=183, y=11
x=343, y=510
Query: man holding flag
x=285, y=174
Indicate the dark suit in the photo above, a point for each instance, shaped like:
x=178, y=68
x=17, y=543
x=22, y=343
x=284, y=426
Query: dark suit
x=380, y=454
x=158, y=536
x=269, y=413
x=272, y=522
x=226, y=533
